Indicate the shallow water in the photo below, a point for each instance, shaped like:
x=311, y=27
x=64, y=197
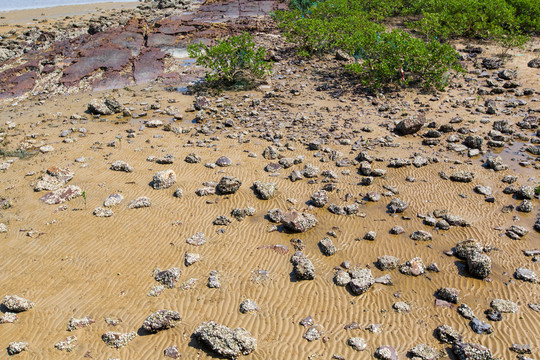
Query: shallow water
x=37, y=4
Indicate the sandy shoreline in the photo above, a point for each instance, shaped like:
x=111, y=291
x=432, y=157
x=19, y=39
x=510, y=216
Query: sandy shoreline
x=31, y=16
x=310, y=133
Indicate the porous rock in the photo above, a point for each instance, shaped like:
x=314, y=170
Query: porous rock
x=161, y=320
x=225, y=341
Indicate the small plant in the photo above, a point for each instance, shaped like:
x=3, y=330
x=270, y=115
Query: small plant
x=84, y=197
x=231, y=60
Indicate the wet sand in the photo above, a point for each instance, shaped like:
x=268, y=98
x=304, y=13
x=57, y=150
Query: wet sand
x=75, y=264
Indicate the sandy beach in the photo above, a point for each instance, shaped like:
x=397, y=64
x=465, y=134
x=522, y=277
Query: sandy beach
x=302, y=122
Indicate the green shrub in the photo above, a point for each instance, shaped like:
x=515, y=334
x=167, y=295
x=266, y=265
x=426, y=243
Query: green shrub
x=486, y=19
x=384, y=58
x=396, y=57
x=527, y=14
x=231, y=60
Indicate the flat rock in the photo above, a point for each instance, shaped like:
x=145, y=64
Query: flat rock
x=61, y=195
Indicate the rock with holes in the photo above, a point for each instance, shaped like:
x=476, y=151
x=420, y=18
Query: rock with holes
x=75, y=324
x=362, y=280
x=117, y=340
x=169, y=277
x=120, y=165
x=471, y=351
x=327, y=246
x=62, y=195
x=17, y=347
x=299, y=222
x=504, y=306
x=447, y=334
x=16, y=303
x=386, y=352
x=228, y=185
x=265, y=190
x=421, y=235
x=140, y=202
x=303, y=267
x=225, y=341
x=479, y=265
x=525, y=274
x=248, y=305
x=414, y=267
x=164, y=179
x=397, y=205
x=161, y=320
x=424, y=352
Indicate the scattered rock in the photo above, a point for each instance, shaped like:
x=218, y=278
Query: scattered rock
x=447, y=334
x=303, y=267
x=362, y=280
x=140, y=202
x=62, y=195
x=67, y=345
x=225, y=341
x=161, y=320
x=15, y=348
x=327, y=246
x=525, y=274
x=448, y=294
x=164, y=179
x=228, y=185
x=386, y=352
x=471, y=351
x=424, y=352
x=119, y=165
x=16, y=303
x=116, y=339
x=264, y=190
x=357, y=343
x=299, y=222
x=75, y=324
x=169, y=277
x=248, y=305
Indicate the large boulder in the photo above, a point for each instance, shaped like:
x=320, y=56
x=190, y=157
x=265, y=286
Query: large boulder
x=225, y=341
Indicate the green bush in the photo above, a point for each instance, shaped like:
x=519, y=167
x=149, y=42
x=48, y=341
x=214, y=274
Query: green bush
x=231, y=60
x=396, y=57
x=383, y=58
x=486, y=19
